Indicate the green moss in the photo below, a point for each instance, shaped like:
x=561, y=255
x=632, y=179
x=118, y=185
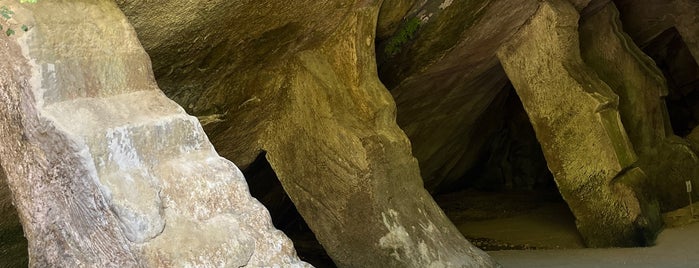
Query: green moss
x=404, y=34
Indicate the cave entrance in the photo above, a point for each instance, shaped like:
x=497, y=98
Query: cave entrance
x=266, y=187
x=509, y=199
x=13, y=244
x=674, y=59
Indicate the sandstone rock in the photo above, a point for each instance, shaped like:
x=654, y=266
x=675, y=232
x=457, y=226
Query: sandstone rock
x=566, y=101
x=104, y=169
x=641, y=87
x=308, y=95
x=444, y=80
x=631, y=74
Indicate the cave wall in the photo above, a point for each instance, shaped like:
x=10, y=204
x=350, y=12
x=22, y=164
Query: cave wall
x=446, y=76
x=298, y=80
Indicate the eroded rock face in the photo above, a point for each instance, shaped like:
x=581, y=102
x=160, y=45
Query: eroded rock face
x=104, y=169
x=445, y=88
x=445, y=78
x=641, y=88
x=566, y=101
x=310, y=98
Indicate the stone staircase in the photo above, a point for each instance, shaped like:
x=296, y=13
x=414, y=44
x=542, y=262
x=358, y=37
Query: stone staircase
x=164, y=181
x=176, y=201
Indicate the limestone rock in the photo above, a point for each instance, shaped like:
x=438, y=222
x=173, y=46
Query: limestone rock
x=104, y=169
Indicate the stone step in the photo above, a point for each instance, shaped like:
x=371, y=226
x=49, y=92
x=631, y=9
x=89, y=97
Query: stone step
x=130, y=131
x=196, y=185
x=201, y=183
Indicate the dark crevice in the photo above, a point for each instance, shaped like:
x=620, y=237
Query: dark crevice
x=509, y=181
x=674, y=59
x=266, y=187
x=512, y=158
x=13, y=244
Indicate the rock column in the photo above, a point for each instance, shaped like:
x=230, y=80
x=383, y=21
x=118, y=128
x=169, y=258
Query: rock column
x=576, y=120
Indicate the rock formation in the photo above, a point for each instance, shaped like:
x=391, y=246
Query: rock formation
x=341, y=100
x=566, y=101
x=103, y=168
x=445, y=78
x=298, y=81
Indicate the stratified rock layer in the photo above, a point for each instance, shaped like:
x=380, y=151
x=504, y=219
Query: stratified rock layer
x=105, y=170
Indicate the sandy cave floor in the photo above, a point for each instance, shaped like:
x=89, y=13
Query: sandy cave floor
x=536, y=229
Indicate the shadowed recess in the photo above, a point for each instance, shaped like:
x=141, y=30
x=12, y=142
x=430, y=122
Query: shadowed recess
x=265, y=186
x=13, y=245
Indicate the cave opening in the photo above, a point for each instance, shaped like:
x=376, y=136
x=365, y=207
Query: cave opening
x=265, y=186
x=509, y=199
x=13, y=244
x=675, y=60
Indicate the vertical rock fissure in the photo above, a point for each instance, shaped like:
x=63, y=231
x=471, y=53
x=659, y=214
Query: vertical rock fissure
x=266, y=188
x=672, y=55
x=13, y=244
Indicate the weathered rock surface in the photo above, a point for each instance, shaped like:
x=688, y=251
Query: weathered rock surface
x=298, y=81
x=446, y=75
x=103, y=168
x=446, y=89
x=641, y=87
x=566, y=101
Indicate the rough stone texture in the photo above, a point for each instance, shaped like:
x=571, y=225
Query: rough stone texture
x=104, y=169
x=298, y=81
x=566, y=101
x=445, y=79
x=641, y=88
x=630, y=74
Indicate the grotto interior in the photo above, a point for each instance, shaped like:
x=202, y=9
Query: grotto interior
x=392, y=133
